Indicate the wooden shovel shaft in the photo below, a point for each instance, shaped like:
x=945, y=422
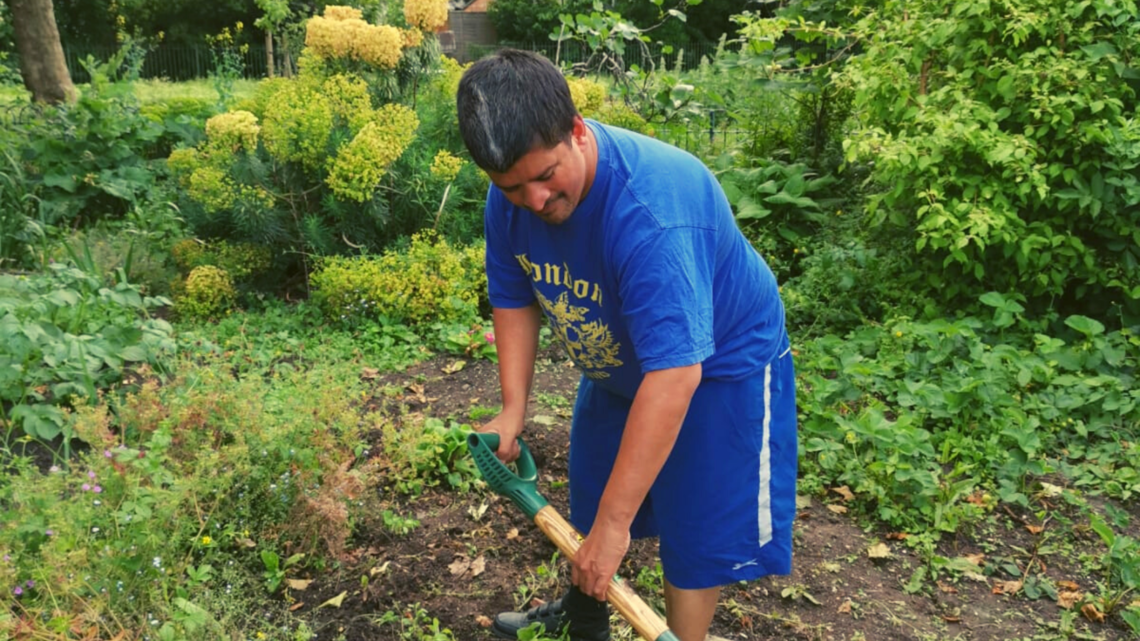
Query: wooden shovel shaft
x=642, y=617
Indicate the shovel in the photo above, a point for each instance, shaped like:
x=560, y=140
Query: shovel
x=522, y=489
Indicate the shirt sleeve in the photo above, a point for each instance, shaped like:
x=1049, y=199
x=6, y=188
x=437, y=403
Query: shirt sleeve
x=667, y=301
x=508, y=284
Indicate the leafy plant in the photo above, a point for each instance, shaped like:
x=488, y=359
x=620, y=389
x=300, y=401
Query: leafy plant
x=275, y=568
x=399, y=525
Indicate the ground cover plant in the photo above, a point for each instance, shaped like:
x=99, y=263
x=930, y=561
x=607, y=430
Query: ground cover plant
x=234, y=396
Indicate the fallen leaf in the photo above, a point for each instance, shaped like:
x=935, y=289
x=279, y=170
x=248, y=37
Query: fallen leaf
x=244, y=542
x=335, y=601
x=1092, y=613
x=974, y=576
x=803, y=502
x=951, y=619
x=298, y=584
x=296, y=606
x=459, y=566
x=484, y=621
x=512, y=534
x=1067, y=599
x=1051, y=491
x=1007, y=587
x=543, y=419
x=1068, y=585
x=845, y=607
x=453, y=367
x=838, y=509
x=879, y=551
x=1034, y=529
x=948, y=589
x=844, y=492
x=977, y=498
x=897, y=536
x=369, y=373
x=379, y=570
x=478, y=565
x=976, y=559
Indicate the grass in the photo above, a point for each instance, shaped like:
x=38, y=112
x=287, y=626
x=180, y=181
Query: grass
x=148, y=91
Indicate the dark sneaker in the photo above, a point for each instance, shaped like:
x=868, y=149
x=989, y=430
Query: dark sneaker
x=590, y=621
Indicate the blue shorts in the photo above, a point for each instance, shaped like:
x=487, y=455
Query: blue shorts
x=724, y=502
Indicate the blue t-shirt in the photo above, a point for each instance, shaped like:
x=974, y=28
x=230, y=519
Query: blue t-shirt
x=649, y=272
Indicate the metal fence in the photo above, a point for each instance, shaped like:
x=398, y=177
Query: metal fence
x=689, y=54
x=171, y=62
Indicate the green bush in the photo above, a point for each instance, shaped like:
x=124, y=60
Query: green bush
x=208, y=293
x=430, y=281
x=1005, y=133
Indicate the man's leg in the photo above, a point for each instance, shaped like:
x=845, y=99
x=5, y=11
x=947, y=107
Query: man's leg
x=690, y=612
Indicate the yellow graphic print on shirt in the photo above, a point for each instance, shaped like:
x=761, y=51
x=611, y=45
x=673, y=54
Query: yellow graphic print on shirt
x=590, y=345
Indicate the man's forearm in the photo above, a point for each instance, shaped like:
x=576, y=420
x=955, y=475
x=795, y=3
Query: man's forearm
x=651, y=430
x=516, y=341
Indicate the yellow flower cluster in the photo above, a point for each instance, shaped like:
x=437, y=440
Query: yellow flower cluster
x=335, y=12
x=358, y=167
x=446, y=166
x=428, y=15
x=450, y=74
x=377, y=45
x=348, y=97
x=430, y=281
x=214, y=189
x=233, y=130
x=586, y=94
x=412, y=38
x=183, y=162
x=209, y=291
x=621, y=115
x=296, y=128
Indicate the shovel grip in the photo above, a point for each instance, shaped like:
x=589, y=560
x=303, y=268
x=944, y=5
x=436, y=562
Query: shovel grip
x=643, y=618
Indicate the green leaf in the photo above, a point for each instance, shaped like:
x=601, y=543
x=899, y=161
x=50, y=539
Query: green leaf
x=748, y=209
x=134, y=353
x=1005, y=88
x=1085, y=325
x=1099, y=50
x=65, y=182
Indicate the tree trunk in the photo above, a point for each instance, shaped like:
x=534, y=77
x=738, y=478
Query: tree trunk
x=41, y=55
x=268, y=53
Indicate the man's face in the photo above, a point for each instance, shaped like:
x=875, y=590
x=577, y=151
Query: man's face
x=550, y=182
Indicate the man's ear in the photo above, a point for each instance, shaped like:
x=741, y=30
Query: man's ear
x=579, y=132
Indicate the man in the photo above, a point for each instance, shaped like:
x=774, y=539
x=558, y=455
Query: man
x=684, y=425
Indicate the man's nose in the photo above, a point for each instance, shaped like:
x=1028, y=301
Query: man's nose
x=536, y=197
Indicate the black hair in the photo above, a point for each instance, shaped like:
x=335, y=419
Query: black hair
x=510, y=102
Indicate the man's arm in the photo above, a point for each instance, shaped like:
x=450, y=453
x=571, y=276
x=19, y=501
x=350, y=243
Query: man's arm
x=516, y=341
x=651, y=430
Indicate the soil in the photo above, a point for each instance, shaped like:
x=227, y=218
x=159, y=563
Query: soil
x=836, y=591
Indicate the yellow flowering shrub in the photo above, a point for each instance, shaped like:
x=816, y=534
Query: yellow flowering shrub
x=587, y=95
x=263, y=93
x=450, y=74
x=187, y=253
x=233, y=131
x=356, y=170
x=298, y=125
x=182, y=163
x=378, y=45
x=430, y=281
x=207, y=293
x=348, y=97
x=621, y=115
x=213, y=188
x=239, y=260
x=335, y=12
x=446, y=166
x=428, y=15
x=412, y=38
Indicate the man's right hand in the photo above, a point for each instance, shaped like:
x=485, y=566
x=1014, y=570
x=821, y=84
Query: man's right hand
x=508, y=427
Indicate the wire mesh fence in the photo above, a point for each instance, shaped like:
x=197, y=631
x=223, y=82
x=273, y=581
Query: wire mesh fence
x=175, y=63
x=687, y=55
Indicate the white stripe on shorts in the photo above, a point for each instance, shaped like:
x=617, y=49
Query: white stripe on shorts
x=765, y=499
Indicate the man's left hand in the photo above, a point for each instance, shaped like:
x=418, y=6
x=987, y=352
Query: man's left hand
x=597, y=561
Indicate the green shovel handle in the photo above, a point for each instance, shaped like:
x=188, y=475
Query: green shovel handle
x=520, y=487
